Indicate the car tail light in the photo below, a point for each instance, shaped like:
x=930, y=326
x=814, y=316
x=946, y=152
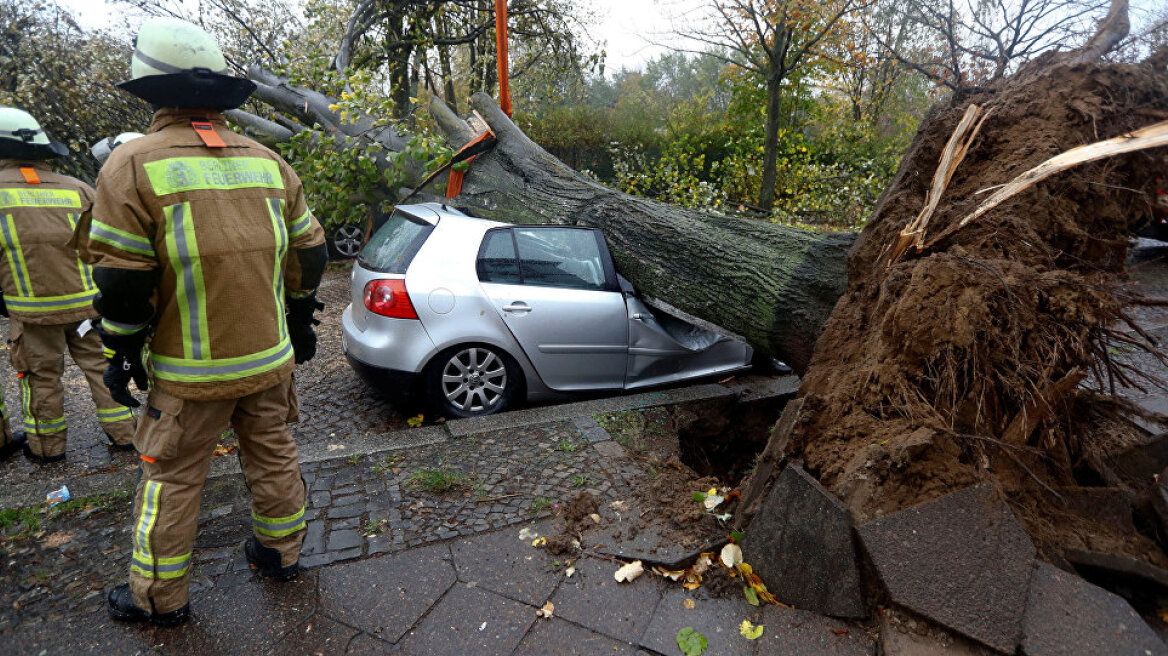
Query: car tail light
x=389, y=299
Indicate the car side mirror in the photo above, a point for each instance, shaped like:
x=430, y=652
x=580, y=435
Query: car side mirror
x=626, y=287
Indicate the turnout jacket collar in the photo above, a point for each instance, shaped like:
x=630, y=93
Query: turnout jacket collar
x=169, y=116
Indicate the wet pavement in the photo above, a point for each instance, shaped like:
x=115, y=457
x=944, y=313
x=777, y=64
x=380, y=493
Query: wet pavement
x=426, y=550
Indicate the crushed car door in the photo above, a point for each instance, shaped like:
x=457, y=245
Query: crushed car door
x=556, y=290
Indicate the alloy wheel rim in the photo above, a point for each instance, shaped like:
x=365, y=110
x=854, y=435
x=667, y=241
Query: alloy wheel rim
x=474, y=379
x=347, y=240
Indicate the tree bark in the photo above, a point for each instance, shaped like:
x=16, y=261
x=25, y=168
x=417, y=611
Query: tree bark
x=770, y=156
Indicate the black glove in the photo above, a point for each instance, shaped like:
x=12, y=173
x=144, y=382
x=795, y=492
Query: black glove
x=3, y=307
x=124, y=363
x=300, y=323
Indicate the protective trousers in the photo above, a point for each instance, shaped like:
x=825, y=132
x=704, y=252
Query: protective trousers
x=176, y=438
x=38, y=356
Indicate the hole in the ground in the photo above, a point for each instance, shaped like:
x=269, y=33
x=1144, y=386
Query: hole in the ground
x=725, y=444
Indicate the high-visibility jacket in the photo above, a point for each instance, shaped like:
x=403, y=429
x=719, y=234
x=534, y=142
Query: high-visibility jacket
x=42, y=279
x=218, y=223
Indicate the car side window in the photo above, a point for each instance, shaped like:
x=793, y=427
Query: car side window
x=560, y=257
x=497, y=262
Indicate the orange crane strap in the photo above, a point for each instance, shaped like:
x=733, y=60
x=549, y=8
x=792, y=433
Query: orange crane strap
x=501, y=55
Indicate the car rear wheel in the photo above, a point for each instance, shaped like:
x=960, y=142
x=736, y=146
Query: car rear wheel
x=347, y=241
x=471, y=381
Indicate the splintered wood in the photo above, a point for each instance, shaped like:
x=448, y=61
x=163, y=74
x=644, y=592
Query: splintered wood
x=913, y=234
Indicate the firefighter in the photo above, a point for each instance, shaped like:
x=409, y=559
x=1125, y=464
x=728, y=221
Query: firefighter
x=48, y=291
x=102, y=149
x=202, y=243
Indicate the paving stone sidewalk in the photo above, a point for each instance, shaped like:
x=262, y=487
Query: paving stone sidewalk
x=414, y=551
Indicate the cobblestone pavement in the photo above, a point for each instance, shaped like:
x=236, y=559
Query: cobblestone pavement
x=334, y=403
x=425, y=552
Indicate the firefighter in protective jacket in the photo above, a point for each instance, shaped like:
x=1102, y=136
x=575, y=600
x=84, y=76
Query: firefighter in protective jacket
x=203, y=245
x=48, y=292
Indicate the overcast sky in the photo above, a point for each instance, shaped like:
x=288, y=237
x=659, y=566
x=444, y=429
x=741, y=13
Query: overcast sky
x=627, y=27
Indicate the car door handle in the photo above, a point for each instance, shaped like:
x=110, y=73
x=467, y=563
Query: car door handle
x=517, y=306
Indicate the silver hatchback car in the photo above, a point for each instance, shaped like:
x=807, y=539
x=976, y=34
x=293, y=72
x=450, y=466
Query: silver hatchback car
x=476, y=315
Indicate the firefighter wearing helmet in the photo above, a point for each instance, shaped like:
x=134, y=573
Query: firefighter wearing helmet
x=47, y=292
x=202, y=245
x=102, y=149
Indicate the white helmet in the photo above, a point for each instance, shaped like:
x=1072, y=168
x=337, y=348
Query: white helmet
x=21, y=137
x=178, y=64
x=102, y=149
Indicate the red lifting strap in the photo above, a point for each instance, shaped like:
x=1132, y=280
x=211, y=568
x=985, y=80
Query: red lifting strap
x=454, y=182
x=501, y=55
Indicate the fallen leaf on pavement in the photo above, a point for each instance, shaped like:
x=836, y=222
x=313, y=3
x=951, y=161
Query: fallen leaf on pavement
x=221, y=451
x=750, y=631
x=527, y=534
x=688, y=604
x=570, y=571
x=57, y=539
x=751, y=596
x=629, y=572
x=547, y=610
x=731, y=555
x=539, y=542
x=840, y=632
x=595, y=518
x=619, y=506
x=703, y=563
x=691, y=642
x=414, y=422
x=335, y=447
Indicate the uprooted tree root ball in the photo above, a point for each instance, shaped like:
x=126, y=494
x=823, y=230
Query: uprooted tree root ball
x=968, y=362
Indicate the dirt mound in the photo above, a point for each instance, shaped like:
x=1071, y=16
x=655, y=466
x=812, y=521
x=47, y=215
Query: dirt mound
x=928, y=375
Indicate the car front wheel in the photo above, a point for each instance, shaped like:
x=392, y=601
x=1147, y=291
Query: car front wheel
x=472, y=381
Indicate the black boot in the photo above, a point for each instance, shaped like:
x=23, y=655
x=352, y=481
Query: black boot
x=119, y=447
x=15, y=444
x=123, y=609
x=266, y=561
x=40, y=460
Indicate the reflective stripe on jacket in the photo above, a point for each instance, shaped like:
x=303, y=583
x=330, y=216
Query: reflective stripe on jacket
x=43, y=280
x=219, y=223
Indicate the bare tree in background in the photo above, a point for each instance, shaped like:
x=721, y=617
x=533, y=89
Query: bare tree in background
x=772, y=39
x=966, y=43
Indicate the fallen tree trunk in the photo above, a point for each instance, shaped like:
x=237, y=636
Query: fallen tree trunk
x=773, y=286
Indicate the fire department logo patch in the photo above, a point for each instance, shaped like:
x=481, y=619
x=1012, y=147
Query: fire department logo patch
x=180, y=175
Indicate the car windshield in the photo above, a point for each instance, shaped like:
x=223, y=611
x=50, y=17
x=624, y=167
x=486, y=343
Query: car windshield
x=394, y=245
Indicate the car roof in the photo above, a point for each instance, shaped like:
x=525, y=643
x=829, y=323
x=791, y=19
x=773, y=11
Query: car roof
x=433, y=212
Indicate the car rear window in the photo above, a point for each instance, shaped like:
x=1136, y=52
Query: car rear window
x=497, y=262
x=394, y=245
